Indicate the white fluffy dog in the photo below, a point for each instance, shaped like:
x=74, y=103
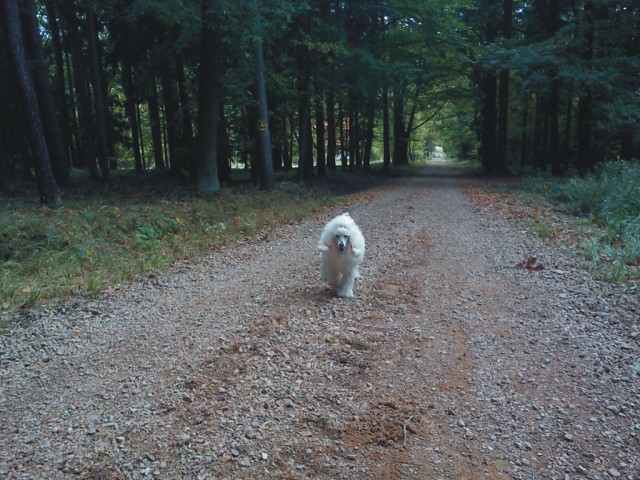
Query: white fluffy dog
x=341, y=252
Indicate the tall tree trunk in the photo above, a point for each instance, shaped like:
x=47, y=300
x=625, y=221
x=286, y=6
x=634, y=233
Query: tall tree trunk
x=321, y=158
x=59, y=90
x=263, y=140
x=224, y=147
x=489, y=118
x=288, y=157
x=99, y=110
x=50, y=119
x=488, y=88
x=368, y=139
x=171, y=113
x=585, y=155
x=386, y=141
x=130, y=107
x=566, y=144
x=75, y=147
x=47, y=188
x=156, y=130
x=185, y=107
x=331, y=133
x=400, y=134
x=536, y=141
x=344, y=144
x=503, y=95
x=207, y=178
x=87, y=149
x=304, y=123
x=554, y=130
x=524, y=157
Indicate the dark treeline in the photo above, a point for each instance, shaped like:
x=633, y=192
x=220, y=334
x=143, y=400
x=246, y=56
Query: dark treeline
x=194, y=87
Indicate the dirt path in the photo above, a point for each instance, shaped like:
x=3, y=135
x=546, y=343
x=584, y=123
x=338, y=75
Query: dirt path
x=450, y=363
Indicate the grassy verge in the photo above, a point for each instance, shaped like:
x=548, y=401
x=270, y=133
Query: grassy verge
x=604, y=212
x=109, y=237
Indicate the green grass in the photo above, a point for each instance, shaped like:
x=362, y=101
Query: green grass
x=606, y=210
x=100, y=239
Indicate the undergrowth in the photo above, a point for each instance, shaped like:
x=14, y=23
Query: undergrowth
x=610, y=199
x=98, y=241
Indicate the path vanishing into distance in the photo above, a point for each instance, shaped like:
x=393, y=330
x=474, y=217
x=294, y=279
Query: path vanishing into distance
x=450, y=362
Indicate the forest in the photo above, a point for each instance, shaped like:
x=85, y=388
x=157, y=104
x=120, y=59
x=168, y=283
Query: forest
x=198, y=88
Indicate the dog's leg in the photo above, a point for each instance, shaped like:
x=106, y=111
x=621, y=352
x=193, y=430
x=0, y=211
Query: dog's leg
x=323, y=269
x=346, y=290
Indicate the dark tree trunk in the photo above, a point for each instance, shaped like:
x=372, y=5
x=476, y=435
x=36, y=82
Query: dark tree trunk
x=524, y=158
x=59, y=90
x=304, y=124
x=489, y=120
x=368, y=139
x=263, y=139
x=156, y=130
x=536, y=142
x=503, y=95
x=386, y=141
x=488, y=89
x=321, y=158
x=566, y=144
x=400, y=134
x=99, y=110
x=208, y=182
x=554, y=130
x=331, y=133
x=86, y=145
x=343, y=140
x=47, y=188
x=171, y=112
x=50, y=119
x=288, y=156
x=76, y=147
x=585, y=158
x=130, y=106
x=185, y=107
x=224, y=147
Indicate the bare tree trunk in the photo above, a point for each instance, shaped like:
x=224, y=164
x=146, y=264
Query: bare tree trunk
x=47, y=188
x=331, y=133
x=321, y=161
x=386, y=141
x=207, y=181
x=86, y=150
x=156, y=130
x=99, y=111
x=50, y=119
x=263, y=138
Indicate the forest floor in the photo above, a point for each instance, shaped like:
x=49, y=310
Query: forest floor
x=470, y=351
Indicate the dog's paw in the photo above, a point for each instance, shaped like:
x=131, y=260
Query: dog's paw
x=355, y=252
x=345, y=293
x=322, y=247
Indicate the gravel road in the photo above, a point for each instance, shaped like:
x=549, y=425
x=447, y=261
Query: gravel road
x=449, y=363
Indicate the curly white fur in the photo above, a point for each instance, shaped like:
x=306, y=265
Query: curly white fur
x=341, y=253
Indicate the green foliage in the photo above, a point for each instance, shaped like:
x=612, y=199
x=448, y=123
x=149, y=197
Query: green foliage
x=93, y=244
x=610, y=198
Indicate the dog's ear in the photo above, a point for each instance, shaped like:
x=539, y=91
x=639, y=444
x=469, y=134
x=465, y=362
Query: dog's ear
x=356, y=252
x=322, y=247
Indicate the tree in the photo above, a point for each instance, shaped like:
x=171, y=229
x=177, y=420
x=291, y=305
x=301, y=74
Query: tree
x=263, y=139
x=209, y=105
x=47, y=187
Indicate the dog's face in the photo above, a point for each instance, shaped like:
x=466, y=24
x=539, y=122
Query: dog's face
x=342, y=238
